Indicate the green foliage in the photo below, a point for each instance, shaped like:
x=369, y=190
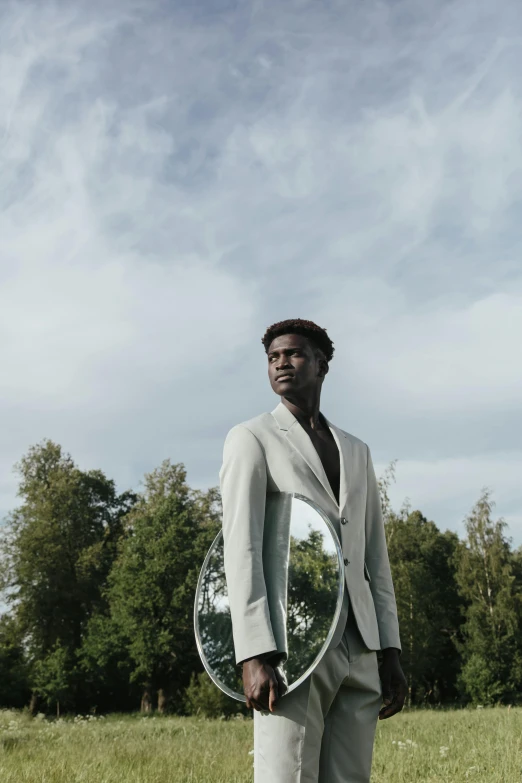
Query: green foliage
x=428, y=604
x=215, y=622
x=14, y=686
x=204, y=698
x=479, y=680
x=52, y=677
x=58, y=548
x=152, y=583
x=105, y=665
x=100, y=590
x=488, y=576
x=312, y=596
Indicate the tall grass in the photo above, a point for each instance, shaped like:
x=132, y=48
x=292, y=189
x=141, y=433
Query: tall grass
x=429, y=746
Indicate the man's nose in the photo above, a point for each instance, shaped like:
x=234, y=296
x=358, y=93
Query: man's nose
x=283, y=363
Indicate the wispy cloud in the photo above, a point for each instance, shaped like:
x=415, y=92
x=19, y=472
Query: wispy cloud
x=442, y=488
x=175, y=177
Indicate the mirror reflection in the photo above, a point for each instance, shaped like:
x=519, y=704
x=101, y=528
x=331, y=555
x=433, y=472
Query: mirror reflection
x=303, y=567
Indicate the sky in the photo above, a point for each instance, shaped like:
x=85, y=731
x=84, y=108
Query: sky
x=176, y=177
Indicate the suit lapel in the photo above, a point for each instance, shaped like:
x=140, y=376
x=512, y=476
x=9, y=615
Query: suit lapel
x=345, y=447
x=300, y=441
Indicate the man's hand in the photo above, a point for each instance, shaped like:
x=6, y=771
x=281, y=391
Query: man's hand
x=393, y=681
x=263, y=684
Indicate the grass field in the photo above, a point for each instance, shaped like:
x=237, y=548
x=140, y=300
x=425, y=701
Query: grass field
x=429, y=746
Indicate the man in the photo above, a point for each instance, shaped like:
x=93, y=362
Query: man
x=323, y=731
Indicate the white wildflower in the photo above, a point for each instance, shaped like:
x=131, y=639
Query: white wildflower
x=404, y=745
x=443, y=750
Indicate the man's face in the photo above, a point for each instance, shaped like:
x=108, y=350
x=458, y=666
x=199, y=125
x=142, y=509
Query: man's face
x=294, y=367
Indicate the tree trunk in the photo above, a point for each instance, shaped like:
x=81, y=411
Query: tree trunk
x=410, y=677
x=146, y=701
x=33, y=704
x=57, y=709
x=162, y=701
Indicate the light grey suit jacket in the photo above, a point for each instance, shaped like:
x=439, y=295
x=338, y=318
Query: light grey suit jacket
x=272, y=453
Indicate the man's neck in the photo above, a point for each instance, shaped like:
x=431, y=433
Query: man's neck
x=307, y=412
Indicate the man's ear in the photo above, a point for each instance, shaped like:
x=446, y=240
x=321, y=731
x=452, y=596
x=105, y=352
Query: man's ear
x=323, y=367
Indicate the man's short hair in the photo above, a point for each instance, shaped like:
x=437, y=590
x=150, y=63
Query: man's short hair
x=316, y=334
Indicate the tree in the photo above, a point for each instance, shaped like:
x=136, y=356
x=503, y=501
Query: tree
x=14, y=686
x=204, y=698
x=105, y=664
x=428, y=604
x=53, y=677
x=312, y=597
x=58, y=548
x=384, y=482
x=153, y=582
x=488, y=576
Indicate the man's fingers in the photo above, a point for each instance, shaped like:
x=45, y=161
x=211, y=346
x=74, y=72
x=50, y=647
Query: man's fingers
x=273, y=695
x=259, y=699
x=255, y=702
x=387, y=695
x=390, y=710
x=395, y=705
x=252, y=704
x=261, y=685
x=282, y=685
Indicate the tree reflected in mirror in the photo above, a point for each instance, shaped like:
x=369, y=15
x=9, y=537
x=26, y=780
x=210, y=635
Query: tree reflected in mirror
x=312, y=597
x=303, y=572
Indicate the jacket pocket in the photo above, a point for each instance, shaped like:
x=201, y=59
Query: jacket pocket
x=367, y=573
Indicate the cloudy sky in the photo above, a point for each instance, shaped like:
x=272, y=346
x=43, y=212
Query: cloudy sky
x=177, y=176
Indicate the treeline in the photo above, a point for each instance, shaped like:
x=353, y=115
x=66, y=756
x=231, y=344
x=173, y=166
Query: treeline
x=459, y=604
x=99, y=587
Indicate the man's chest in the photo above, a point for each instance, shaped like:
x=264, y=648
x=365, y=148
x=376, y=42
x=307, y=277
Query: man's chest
x=297, y=465
x=328, y=452
x=297, y=468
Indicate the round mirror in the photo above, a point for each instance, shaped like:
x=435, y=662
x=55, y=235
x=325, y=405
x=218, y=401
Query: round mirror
x=304, y=575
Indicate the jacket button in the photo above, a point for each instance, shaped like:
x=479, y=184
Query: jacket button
x=343, y=520
x=346, y=561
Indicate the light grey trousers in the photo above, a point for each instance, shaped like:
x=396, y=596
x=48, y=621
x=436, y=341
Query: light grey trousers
x=323, y=732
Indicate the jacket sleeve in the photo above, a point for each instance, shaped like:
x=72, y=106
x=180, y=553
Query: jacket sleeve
x=243, y=480
x=378, y=564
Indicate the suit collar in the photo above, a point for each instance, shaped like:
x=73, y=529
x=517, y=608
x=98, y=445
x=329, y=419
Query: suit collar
x=300, y=440
x=284, y=418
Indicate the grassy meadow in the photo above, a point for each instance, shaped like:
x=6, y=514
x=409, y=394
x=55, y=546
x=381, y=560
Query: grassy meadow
x=420, y=745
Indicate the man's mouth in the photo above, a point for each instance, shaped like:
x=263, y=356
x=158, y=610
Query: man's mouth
x=285, y=377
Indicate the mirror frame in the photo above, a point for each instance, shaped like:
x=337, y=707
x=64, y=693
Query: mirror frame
x=340, y=594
